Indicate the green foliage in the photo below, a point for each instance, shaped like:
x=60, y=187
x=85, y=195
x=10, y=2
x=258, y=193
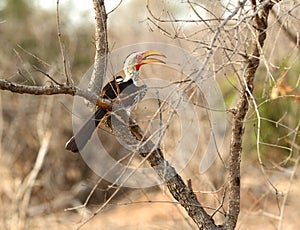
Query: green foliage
x=279, y=116
x=227, y=87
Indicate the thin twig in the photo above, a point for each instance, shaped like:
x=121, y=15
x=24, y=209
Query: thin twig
x=47, y=75
x=61, y=45
x=24, y=193
x=34, y=56
x=116, y=7
x=294, y=37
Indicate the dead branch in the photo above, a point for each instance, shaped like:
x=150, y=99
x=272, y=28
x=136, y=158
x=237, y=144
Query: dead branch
x=47, y=75
x=101, y=43
x=294, y=37
x=132, y=135
x=179, y=190
x=182, y=193
x=54, y=90
x=24, y=193
x=62, y=48
x=260, y=24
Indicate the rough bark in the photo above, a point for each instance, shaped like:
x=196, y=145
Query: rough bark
x=54, y=90
x=260, y=25
x=101, y=44
x=131, y=134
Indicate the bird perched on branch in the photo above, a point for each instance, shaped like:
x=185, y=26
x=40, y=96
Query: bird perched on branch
x=112, y=92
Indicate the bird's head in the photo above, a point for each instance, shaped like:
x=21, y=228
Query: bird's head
x=135, y=60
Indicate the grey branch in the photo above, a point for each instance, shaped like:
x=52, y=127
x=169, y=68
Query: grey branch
x=260, y=24
x=101, y=43
x=291, y=35
x=132, y=135
x=53, y=90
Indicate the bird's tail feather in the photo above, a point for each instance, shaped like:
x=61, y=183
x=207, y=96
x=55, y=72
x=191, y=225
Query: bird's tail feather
x=79, y=140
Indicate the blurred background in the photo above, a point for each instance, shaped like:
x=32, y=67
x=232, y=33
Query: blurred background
x=31, y=125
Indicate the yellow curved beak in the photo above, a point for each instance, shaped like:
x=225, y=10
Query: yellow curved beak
x=148, y=57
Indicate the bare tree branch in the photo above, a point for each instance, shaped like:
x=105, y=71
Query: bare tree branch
x=25, y=190
x=47, y=75
x=240, y=111
x=61, y=45
x=53, y=90
x=130, y=132
x=100, y=62
x=292, y=36
x=133, y=136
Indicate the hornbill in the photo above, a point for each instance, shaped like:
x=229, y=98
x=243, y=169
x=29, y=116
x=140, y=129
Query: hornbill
x=112, y=91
